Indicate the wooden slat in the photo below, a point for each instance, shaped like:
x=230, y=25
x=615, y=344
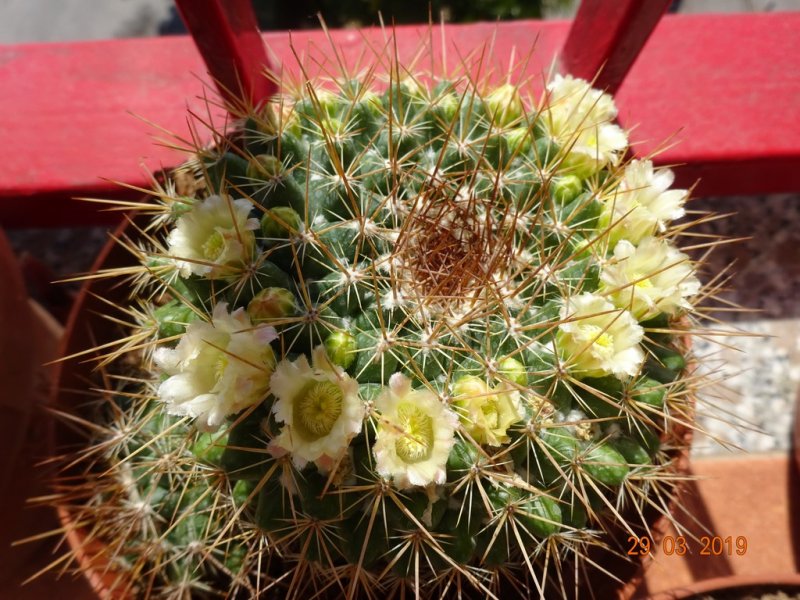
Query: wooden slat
x=726, y=88
x=66, y=120
x=606, y=37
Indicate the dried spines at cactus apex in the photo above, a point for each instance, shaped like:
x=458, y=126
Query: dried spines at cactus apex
x=466, y=369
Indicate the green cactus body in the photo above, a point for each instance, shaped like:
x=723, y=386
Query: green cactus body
x=454, y=381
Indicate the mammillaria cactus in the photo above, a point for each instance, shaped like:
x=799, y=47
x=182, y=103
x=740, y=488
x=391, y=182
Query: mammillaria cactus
x=412, y=335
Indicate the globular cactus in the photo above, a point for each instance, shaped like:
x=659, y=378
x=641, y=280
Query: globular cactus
x=415, y=336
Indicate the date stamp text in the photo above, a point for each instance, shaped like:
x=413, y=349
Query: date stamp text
x=705, y=545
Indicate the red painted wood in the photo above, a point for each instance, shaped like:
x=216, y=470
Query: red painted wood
x=67, y=119
x=606, y=37
x=730, y=82
x=726, y=88
x=226, y=34
x=65, y=110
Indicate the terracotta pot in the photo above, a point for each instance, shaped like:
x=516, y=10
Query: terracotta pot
x=28, y=339
x=84, y=330
x=740, y=585
x=755, y=498
x=17, y=408
x=796, y=433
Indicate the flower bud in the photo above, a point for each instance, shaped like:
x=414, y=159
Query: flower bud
x=264, y=166
x=370, y=103
x=341, y=348
x=270, y=304
x=280, y=223
x=519, y=140
x=566, y=188
x=513, y=371
x=172, y=318
x=504, y=105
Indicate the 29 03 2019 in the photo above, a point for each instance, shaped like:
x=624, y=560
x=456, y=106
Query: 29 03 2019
x=705, y=545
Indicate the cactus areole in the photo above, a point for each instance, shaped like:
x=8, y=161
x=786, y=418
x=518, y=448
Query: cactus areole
x=409, y=336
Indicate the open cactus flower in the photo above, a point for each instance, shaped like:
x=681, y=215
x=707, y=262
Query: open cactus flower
x=581, y=119
x=217, y=369
x=213, y=237
x=486, y=413
x=598, y=339
x=319, y=407
x=415, y=434
x=402, y=336
x=651, y=279
x=642, y=204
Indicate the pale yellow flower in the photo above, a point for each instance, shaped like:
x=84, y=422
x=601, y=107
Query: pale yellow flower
x=650, y=279
x=319, y=407
x=213, y=238
x=485, y=413
x=217, y=369
x=415, y=433
x=580, y=119
x=599, y=339
x=643, y=204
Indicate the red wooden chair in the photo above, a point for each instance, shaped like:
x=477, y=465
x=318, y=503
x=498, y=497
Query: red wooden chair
x=727, y=85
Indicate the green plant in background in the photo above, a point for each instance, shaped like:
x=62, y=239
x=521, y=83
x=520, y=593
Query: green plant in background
x=303, y=14
x=409, y=336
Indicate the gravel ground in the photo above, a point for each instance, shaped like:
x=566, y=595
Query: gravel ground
x=750, y=402
x=756, y=359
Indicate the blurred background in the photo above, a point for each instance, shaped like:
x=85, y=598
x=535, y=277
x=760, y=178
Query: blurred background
x=62, y=20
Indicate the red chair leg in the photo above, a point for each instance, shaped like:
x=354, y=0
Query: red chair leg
x=226, y=34
x=607, y=36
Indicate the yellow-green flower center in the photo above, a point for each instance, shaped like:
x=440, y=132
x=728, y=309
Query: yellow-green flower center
x=416, y=442
x=644, y=284
x=214, y=246
x=220, y=365
x=604, y=340
x=316, y=409
x=597, y=336
x=601, y=343
x=491, y=412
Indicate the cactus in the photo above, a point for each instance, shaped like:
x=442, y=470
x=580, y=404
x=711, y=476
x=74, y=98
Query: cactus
x=404, y=337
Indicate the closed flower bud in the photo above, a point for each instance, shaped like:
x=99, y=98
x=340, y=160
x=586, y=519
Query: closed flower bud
x=280, y=223
x=341, y=348
x=271, y=304
x=264, y=166
x=504, y=105
x=566, y=188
